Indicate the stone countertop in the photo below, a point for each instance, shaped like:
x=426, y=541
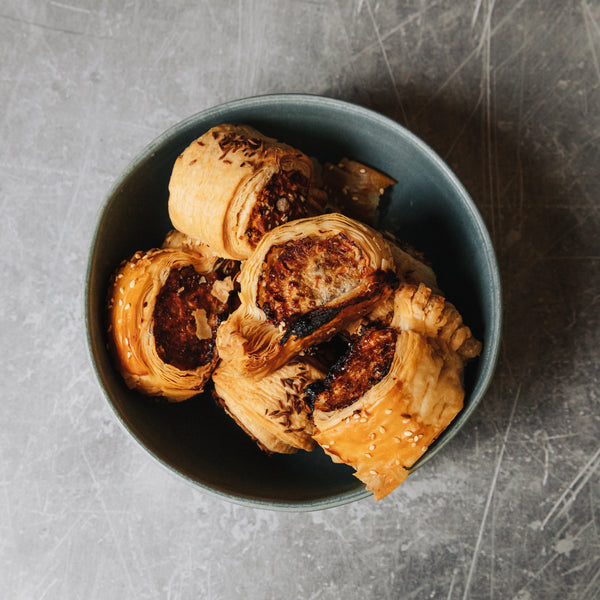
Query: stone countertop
x=508, y=93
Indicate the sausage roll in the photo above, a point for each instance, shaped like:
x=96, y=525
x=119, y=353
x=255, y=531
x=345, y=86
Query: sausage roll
x=395, y=391
x=305, y=281
x=164, y=309
x=355, y=189
x=272, y=410
x=233, y=184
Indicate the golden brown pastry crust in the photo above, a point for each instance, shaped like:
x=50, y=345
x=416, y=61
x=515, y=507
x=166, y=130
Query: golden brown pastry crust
x=384, y=432
x=206, y=257
x=410, y=269
x=271, y=409
x=355, y=189
x=419, y=309
x=232, y=184
x=131, y=316
x=256, y=344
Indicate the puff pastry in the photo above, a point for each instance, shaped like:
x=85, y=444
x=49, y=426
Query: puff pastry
x=164, y=308
x=355, y=189
x=395, y=391
x=206, y=258
x=233, y=184
x=305, y=281
x=272, y=410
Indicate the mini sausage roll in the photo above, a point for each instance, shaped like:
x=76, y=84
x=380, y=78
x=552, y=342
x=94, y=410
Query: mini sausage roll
x=272, y=410
x=355, y=189
x=306, y=281
x=164, y=309
x=233, y=184
x=395, y=391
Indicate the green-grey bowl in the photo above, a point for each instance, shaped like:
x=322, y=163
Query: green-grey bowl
x=427, y=208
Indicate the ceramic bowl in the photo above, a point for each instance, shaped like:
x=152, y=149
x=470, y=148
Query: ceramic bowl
x=427, y=208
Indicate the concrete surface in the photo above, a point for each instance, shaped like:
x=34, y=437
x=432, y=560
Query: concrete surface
x=508, y=93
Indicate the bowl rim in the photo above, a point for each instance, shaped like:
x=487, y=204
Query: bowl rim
x=490, y=354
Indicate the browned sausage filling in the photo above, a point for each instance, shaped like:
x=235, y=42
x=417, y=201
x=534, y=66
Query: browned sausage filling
x=282, y=199
x=187, y=314
x=300, y=276
x=366, y=363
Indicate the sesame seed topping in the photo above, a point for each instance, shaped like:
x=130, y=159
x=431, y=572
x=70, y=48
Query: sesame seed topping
x=132, y=283
x=408, y=433
x=127, y=306
x=388, y=411
x=372, y=447
x=382, y=429
x=373, y=472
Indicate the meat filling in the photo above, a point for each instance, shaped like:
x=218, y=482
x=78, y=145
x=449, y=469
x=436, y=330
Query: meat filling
x=187, y=314
x=283, y=199
x=308, y=275
x=366, y=364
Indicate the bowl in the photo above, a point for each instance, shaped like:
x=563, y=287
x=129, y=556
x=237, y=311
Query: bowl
x=428, y=208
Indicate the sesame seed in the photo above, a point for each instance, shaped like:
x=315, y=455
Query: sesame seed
x=408, y=433
x=368, y=455
x=363, y=420
x=413, y=444
x=388, y=411
x=373, y=472
x=129, y=355
x=382, y=429
x=362, y=170
x=372, y=447
x=121, y=290
x=132, y=283
x=398, y=439
x=416, y=438
x=120, y=302
x=127, y=306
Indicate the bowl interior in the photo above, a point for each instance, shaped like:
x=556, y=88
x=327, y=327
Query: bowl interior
x=428, y=208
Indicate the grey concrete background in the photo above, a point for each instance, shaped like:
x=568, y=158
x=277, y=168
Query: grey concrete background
x=508, y=93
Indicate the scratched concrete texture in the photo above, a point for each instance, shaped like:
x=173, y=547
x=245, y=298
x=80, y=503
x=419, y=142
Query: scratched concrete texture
x=508, y=93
